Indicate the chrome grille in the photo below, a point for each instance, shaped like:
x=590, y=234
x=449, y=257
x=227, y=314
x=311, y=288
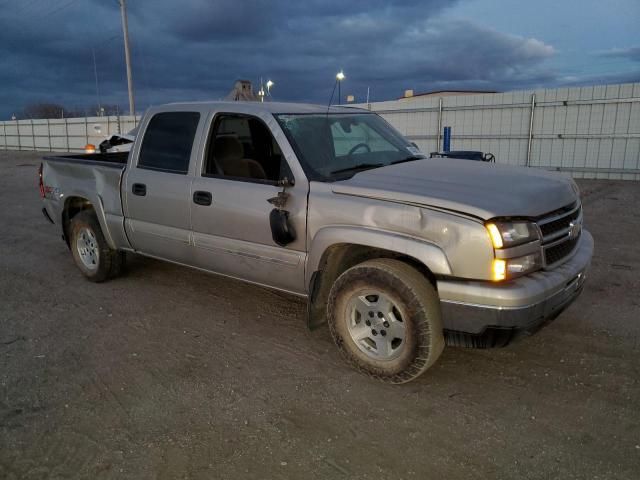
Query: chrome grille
x=560, y=231
x=562, y=223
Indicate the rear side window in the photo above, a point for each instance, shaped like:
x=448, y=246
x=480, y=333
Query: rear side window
x=167, y=142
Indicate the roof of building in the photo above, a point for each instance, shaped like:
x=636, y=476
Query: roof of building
x=450, y=92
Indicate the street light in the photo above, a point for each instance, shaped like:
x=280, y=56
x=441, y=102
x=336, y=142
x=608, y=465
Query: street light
x=339, y=78
x=269, y=85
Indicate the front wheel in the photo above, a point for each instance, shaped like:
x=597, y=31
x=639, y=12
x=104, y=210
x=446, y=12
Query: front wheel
x=385, y=318
x=91, y=252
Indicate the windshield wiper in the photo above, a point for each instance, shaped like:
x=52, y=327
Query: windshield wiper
x=360, y=166
x=409, y=159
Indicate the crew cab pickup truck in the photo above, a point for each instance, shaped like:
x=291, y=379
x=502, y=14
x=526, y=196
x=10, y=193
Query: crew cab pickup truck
x=400, y=254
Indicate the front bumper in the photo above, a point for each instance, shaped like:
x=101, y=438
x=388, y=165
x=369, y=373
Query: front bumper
x=484, y=314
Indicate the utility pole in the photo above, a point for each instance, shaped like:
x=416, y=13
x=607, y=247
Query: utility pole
x=127, y=55
x=95, y=72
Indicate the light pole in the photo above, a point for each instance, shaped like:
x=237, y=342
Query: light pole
x=127, y=55
x=339, y=78
x=269, y=85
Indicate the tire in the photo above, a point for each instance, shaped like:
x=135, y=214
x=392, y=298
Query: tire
x=91, y=252
x=381, y=303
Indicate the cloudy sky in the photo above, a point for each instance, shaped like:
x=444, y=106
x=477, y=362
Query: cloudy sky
x=195, y=49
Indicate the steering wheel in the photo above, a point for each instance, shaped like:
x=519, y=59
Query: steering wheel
x=356, y=147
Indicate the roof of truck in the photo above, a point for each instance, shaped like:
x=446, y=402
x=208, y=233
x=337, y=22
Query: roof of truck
x=271, y=107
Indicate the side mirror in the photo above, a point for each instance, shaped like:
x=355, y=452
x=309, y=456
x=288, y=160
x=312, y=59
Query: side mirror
x=281, y=229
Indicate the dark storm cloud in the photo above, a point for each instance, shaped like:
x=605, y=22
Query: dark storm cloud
x=195, y=49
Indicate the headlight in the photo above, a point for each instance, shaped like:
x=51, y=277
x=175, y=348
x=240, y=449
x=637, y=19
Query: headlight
x=510, y=234
x=504, y=268
x=521, y=265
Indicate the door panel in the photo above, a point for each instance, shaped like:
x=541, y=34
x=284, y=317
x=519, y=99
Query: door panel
x=232, y=236
x=158, y=223
x=157, y=190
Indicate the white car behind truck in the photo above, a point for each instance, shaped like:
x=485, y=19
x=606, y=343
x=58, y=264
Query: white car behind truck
x=400, y=254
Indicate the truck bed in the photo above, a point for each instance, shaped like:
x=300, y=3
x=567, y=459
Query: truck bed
x=114, y=160
x=94, y=177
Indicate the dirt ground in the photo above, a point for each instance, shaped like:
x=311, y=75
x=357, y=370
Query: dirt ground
x=171, y=373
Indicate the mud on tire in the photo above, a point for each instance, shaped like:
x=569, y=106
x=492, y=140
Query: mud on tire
x=416, y=311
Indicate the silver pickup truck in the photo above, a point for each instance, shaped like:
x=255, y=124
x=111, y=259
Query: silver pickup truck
x=398, y=253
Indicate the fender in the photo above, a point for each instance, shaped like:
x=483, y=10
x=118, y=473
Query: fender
x=426, y=253
x=99, y=186
x=98, y=207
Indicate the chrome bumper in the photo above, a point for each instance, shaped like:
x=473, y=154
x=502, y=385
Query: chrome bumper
x=523, y=304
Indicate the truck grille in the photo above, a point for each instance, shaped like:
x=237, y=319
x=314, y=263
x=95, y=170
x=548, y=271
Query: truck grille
x=555, y=254
x=561, y=232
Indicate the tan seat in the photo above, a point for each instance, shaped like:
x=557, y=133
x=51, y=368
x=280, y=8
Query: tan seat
x=228, y=155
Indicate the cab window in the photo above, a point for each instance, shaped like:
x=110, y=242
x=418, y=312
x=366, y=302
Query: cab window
x=167, y=142
x=241, y=147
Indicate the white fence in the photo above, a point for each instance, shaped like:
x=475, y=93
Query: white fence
x=591, y=132
x=62, y=134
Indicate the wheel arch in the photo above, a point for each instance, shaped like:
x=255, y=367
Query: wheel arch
x=75, y=204
x=331, y=255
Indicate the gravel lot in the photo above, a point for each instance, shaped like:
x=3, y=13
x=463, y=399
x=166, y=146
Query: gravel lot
x=171, y=373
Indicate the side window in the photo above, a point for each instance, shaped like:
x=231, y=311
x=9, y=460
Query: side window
x=168, y=140
x=242, y=147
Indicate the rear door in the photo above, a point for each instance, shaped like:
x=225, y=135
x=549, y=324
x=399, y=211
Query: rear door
x=157, y=188
x=242, y=164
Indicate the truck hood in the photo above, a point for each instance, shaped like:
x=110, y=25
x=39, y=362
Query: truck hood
x=484, y=190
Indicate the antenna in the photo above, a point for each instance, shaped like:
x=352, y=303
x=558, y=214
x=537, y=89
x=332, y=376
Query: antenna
x=332, y=94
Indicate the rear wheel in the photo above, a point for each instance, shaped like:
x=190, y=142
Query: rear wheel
x=385, y=318
x=91, y=252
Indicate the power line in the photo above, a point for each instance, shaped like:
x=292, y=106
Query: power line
x=25, y=6
x=56, y=10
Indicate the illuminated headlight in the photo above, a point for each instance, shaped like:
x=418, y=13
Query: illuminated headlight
x=524, y=264
x=514, y=267
x=509, y=234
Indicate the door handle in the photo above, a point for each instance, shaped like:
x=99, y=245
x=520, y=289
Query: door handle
x=139, y=189
x=202, y=198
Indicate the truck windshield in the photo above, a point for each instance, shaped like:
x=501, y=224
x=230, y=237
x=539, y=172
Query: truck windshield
x=337, y=146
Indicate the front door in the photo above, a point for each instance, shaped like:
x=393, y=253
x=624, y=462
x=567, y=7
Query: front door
x=157, y=191
x=241, y=169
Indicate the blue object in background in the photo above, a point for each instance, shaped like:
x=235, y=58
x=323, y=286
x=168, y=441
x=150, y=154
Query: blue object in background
x=446, y=139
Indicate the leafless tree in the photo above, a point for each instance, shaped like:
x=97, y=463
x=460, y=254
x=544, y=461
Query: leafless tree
x=44, y=110
x=56, y=110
